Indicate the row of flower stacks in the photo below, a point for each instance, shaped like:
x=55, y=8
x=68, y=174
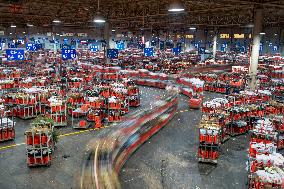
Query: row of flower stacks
x=232, y=116
x=225, y=83
x=18, y=83
x=266, y=166
x=187, y=86
x=108, y=101
x=29, y=102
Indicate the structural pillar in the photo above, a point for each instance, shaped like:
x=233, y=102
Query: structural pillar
x=258, y=17
x=214, y=50
x=281, y=42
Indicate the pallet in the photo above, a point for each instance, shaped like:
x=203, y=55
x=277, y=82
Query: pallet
x=39, y=164
x=204, y=160
x=62, y=124
x=7, y=139
x=76, y=126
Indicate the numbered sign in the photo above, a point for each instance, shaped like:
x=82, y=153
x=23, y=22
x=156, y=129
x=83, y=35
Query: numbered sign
x=148, y=52
x=120, y=46
x=12, y=45
x=94, y=48
x=141, y=46
x=112, y=53
x=176, y=51
x=15, y=54
x=65, y=46
x=68, y=54
x=223, y=47
x=31, y=47
x=38, y=46
x=201, y=50
x=162, y=45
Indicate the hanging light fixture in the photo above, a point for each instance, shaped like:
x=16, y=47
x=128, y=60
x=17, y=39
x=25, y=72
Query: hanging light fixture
x=98, y=17
x=56, y=21
x=29, y=25
x=13, y=26
x=176, y=6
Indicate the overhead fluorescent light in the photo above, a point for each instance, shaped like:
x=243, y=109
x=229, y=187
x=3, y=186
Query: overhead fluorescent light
x=250, y=25
x=30, y=25
x=176, y=6
x=13, y=26
x=56, y=20
x=99, y=18
x=192, y=28
x=262, y=33
x=113, y=30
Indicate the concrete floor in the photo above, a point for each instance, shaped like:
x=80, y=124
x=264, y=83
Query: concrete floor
x=67, y=158
x=167, y=160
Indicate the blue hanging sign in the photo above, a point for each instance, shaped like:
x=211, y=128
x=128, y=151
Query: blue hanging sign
x=68, y=54
x=153, y=43
x=148, y=52
x=31, y=47
x=223, y=47
x=141, y=46
x=94, y=48
x=201, y=50
x=112, y=53
x=65, y=41
x=120, y=46
x=38, y=46
x=162, y=45
x=169, y=44
x=12, y=45
x=176, y=51
x=179, y=45
x=15, y=54
x=65, y=46
x=261, y=48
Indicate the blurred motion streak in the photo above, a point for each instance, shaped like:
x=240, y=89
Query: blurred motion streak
x=105, y=157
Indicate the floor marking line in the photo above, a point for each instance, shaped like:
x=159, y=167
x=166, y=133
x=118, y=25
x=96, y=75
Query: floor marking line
x=73, y=133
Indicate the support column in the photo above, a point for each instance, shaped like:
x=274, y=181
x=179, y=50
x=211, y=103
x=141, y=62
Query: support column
x=203, y=38
x=106, y=38
x=258, y=17
x=281, y=42
x=214, y=50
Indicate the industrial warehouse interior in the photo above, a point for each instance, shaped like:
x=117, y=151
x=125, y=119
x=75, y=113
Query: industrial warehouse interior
x=142, y=94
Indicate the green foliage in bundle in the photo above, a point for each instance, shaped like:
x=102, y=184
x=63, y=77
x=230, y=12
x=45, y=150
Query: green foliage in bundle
x=41, y=120
x=55, y=136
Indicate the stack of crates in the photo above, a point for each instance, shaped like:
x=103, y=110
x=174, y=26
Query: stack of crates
x=134, y=96
x=96, y=113
x=75, y=100
x=210, y=139
x=265, y=164
x=278, y=122
x=58, y=111
x=114, y=106
x=39, y=144
x=120, y=92
x=26, y=106
x=7, y=129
